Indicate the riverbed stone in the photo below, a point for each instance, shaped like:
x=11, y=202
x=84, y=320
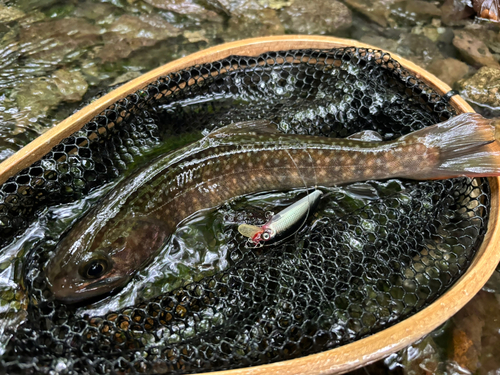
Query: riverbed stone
x=38, y=96
x=455, y=13
x=69, y=37
x=254, y=23
x=315, y=17
x=473, y=49
x=448, y=70
x=483, y=87
x=396, y=12
x=9, y=14
x=378, y=11
x=129, y=33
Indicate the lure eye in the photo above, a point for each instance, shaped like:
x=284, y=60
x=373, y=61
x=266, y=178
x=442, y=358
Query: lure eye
x=265, y=236
x=94, y=269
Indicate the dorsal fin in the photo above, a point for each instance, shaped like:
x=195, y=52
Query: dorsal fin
x=248, y=230
x=245, y=127
x=366, y=136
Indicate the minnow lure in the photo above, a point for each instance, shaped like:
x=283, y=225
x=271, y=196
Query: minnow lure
x=283, y=224
x=128, y=227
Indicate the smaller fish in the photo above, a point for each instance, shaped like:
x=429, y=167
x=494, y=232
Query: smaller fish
x=488, y=9
x=283, y=224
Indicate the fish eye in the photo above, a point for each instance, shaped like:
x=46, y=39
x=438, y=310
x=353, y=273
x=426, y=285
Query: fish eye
x=94, y=269
x=265, y=236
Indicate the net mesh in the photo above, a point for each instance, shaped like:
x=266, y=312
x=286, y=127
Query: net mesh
x=349, y=274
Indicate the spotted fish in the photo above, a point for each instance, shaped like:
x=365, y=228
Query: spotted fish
x=128, y=227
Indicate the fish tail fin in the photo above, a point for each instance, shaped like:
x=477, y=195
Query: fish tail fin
x=468, y=145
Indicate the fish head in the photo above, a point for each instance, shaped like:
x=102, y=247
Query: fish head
x=86, y=266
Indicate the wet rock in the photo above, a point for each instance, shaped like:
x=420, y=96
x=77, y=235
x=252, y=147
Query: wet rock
x=421, y=358
x=100, y=13
x=240, y=7
x=315, y=17
x=378, y=11
x=456, y=12
x=71, y=85
x=130, y=33
x=483, y=87
x=37, y=97
x=40, y=95
x=396, y=12
x=125, y=78
x=278, y=4
x=55, y=40
x=473, y=50
x=380, y=42
x=184, y=7
x=448, y=70
x=489, y=37
x=253, y=24
x=419, y=49
x=30, y=5
x=195, y=36
x=435, y=32
x=415, y=11
x=475, y=336
x=8, y=14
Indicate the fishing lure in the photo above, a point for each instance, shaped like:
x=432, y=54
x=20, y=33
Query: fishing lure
x=283, y=224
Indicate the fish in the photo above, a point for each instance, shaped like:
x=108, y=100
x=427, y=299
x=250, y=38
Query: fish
x=488, y=9
x=283, y=224
x=126, y=229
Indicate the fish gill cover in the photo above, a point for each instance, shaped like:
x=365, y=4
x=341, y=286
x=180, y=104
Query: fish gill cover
x=354, y=271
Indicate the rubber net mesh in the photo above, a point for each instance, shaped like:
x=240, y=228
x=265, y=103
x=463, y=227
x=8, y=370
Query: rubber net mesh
x=351, y=274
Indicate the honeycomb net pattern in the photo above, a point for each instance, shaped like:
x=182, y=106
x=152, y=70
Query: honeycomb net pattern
x=349, y=274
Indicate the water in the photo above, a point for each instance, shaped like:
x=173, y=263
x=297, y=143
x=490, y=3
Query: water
x=55, y=55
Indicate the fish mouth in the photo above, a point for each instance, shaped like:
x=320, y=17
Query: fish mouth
x=87, y=291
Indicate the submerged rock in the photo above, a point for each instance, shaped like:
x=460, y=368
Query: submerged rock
x=68, y=39
x=183, y=7
x=415, y=11
x=129, y=33
x=419, y=49
x=36, y=97
x=483, y=87
x=315, y=17
x=448, y=70
x=473, y=49
x=422, y=357
x=254, y=23
x=456, y=12
x=475, y=335
x=9, y=14
x=395, y=12
x=238, y=7
x=378, y=11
